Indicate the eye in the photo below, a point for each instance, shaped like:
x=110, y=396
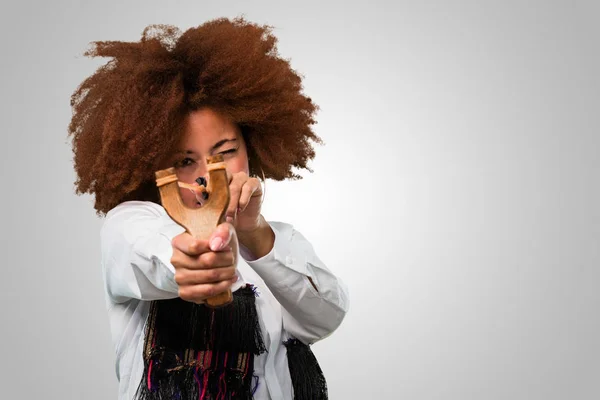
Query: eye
x=184, y=163
x=230, y=151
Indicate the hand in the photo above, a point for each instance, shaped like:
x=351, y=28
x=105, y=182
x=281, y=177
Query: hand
x=205, y=268
x=244, y=204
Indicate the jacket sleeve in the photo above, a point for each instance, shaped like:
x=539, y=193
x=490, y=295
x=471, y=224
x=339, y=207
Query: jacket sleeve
x=314, y=300
x=136, y=251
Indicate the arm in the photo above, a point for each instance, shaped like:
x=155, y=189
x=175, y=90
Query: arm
x=136, y=251
x=314, y=300
x=148, y=256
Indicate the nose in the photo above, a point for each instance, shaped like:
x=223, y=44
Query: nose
x=202, y=182
x=202, y=171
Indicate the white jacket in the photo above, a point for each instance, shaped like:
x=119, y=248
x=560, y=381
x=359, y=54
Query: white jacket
x=136, y=252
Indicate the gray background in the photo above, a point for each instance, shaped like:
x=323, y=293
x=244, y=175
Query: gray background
x=457, y=193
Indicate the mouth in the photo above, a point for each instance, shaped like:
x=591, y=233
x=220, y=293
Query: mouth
x=201, y=202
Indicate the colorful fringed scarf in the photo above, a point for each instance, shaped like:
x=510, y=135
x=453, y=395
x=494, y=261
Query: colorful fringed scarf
x=196, y=352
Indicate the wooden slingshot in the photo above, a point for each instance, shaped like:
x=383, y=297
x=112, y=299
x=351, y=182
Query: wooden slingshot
x=200, y=222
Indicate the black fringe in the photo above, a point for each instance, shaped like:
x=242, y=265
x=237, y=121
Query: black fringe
x=183, y=385
x=307, y=377
x=177, y=328
x=235, y=327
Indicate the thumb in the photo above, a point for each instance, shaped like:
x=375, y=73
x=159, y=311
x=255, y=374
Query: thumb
x=221, y=236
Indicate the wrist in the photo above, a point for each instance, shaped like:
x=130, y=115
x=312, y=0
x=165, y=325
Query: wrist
x=260, y=240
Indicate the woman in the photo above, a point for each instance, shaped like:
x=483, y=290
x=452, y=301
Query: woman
x=173, y=100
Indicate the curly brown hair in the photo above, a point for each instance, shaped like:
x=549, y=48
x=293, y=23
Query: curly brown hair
x=129, y=116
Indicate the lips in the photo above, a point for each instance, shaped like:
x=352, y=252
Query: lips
x=204, y=198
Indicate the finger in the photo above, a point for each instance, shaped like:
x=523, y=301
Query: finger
x=207, y=260
x=211, y=259
x=198, y=293
x=221, y=237
x=235, y=190
x=188, y=277
x=189, y=245
x=252, y=188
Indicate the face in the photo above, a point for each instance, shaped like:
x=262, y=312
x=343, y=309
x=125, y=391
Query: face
x=207, y=134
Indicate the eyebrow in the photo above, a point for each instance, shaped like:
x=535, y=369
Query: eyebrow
x=215, y=146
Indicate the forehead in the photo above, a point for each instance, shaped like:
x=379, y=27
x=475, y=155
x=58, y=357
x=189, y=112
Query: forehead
x=206, y=126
